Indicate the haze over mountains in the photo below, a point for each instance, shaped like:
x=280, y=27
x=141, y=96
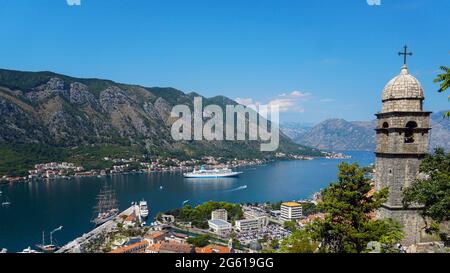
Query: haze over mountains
x=339, y=134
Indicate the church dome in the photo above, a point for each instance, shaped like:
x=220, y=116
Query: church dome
x=403, y=86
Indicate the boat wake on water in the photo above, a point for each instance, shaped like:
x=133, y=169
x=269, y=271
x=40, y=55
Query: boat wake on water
x=184, y=202
x=237, y=189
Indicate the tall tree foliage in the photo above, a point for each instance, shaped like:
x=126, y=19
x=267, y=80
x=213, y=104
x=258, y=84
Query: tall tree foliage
x=299, y=242
x=444, y=80
x=349, y=206
x=432, y=192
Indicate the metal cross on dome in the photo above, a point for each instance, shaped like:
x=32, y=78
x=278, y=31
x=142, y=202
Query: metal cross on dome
x=405, y=53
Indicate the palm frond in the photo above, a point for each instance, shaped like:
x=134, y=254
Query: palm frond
x=445, y=69
x=443, y=78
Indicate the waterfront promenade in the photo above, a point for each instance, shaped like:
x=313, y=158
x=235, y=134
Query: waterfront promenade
x=75, y=245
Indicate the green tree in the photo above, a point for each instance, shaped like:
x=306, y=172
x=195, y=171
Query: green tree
x=199, y=215
x=444, y=80
x=276, y=206
x=199, y=241
x=236, y=244
x=290, y=225
x=300, y=241
x=309, y=208
x=432, y=192
x=349, y=205
x=390, y=236
x=274, y=243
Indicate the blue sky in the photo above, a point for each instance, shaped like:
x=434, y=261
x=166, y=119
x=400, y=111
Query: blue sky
x=318, y=58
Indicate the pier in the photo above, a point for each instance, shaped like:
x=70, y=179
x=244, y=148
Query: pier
x=75, y=245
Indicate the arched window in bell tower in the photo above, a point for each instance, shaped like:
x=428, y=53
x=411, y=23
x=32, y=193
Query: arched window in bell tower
x=409, y=133
x=385, y=128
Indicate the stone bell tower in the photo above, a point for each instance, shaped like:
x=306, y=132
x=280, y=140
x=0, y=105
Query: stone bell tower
x=402, y=142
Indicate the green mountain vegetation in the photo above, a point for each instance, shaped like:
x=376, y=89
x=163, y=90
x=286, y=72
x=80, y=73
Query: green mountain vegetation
x=199, y=215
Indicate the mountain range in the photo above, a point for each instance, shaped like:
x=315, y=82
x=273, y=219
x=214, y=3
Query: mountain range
x=339, y=134
x=48, y=116
x=46, y=108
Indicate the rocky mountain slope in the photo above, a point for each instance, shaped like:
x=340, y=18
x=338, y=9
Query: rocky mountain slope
x=339, y=134
x=57, y=110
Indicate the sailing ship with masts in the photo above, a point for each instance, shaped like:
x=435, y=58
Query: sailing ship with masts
x=107, y=206
x=50, y=247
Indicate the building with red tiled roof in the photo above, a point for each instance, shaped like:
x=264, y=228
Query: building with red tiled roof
x=155, y=237
x=213, y=249
x=311, y=218
x=177, y=238
x=138, y=247
x=172, y=247
x=131, y=217
x=154, y=248
x=130, y=220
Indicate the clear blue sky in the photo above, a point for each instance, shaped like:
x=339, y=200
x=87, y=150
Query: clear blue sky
x=338, y=54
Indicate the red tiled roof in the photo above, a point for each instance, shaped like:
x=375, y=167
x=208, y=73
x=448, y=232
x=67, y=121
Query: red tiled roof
x=176, y=247
x=131, y=217
x=155, y=235
x=212, y=249
x=154, y=248
x=139, y=246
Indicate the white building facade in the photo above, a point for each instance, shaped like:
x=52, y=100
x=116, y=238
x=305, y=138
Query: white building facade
x=250, y=224
x=219, y=214
x=291, y=211
x=220, y=227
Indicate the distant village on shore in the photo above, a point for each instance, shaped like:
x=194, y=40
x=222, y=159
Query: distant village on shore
x=54, y=170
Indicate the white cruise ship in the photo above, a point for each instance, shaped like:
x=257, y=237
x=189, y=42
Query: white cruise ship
x=215, y=173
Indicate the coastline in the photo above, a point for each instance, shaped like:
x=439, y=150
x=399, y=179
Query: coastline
x=297, y=179
x=53, y=170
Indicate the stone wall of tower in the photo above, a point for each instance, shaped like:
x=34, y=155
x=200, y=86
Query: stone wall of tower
x=402, y=105
x=396, y=173
x=391, y=133
x=412, y=224
x=402, y=142
x=397, y=166
x=399, y=120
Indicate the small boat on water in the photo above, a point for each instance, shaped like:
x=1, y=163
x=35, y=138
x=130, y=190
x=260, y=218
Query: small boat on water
x=143, y=209
x=6, y=202
x=215, y=173
x=50, y=248
x=29, y=250
x=4, y=250
x=107, y=206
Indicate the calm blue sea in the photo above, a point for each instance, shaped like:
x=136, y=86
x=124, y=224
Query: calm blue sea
x=38, y=206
